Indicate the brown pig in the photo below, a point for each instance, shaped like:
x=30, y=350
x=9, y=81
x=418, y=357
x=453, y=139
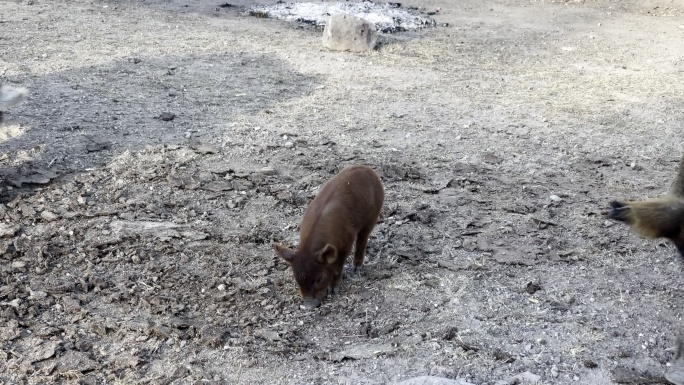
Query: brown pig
x=341, y=216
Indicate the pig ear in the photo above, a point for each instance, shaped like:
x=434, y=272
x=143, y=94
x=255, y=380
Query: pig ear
x=284, y=252
x=327, y=255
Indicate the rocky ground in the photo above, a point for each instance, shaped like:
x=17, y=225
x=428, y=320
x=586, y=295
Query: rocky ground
x=166, y=144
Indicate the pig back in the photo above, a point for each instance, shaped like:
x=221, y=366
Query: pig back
x=365, y=192
x=352, y=199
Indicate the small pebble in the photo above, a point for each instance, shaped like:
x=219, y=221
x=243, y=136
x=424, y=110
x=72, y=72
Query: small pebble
x=268, y=171
x=166, y=116
x=555, y=198
x=48, y=215
x=221, y=287
x=289, y=144
x=554, y=371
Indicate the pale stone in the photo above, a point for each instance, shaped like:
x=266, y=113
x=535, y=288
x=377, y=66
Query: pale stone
x=345, y=32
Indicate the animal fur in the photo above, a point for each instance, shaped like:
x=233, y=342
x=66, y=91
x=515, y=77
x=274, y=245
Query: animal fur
x=657, y=217
x=340, y=217
x=677, y=186
x=660, y=218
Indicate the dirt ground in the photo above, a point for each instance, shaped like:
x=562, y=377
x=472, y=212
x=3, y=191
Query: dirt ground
x=166, y=144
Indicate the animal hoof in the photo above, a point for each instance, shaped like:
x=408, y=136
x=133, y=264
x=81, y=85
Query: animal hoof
x=356, y=270
x=334, y=290
x=310, y=304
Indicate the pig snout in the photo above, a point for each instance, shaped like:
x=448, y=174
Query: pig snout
x=310, y=304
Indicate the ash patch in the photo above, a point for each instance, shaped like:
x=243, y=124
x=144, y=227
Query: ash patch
x=388, y=17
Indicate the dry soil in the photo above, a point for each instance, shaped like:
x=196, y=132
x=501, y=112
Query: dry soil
x=166, y=143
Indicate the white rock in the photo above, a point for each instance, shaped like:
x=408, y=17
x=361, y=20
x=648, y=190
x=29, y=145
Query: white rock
x=345, y=32
x=48, y=215
x=268, y=171
x=526, y=378
x=14, y=303
x=7, y=231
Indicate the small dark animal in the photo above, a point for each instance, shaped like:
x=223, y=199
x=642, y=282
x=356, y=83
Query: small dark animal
x=654, y=218
x=660, y=218
x=657, y=217
x=342, y=216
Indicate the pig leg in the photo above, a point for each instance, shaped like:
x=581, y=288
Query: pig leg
x=334, y=288
x=360, y=248
x=335, y=284
x=339, y=266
